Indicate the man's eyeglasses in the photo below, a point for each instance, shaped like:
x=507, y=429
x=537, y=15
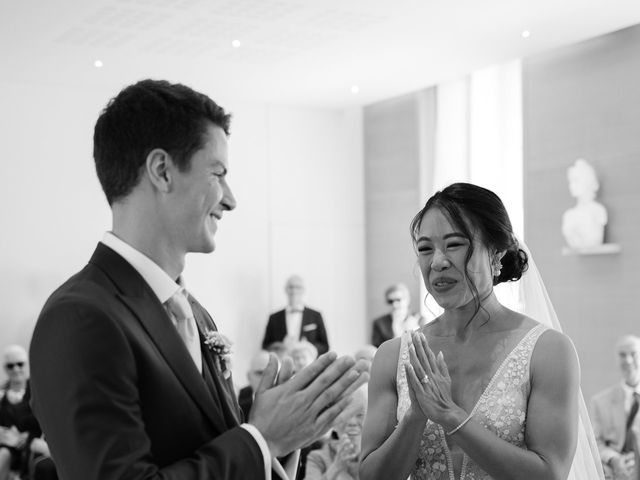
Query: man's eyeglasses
x=391, y=301
x=12, y=365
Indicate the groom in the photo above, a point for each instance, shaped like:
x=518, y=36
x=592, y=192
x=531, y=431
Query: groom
x=122, y=382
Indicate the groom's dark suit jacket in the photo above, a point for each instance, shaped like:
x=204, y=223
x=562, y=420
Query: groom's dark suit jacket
x=117, y=393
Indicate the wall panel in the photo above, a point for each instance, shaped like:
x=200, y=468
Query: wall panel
x=398, y=152
x=583, y=101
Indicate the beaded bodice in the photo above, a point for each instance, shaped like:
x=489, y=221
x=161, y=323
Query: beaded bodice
x=502, y=409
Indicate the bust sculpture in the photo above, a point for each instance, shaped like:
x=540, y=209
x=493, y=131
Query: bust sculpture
x=583, y=225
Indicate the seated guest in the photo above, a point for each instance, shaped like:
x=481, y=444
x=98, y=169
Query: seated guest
x=279, y=348
x=615, y=418
x=297, y=321
x=366, y=353
x=339, y=458
x=19, y=429
x=254, y=375
x=302, y=353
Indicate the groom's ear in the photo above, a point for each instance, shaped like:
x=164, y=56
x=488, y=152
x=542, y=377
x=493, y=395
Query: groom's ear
x=157, y=168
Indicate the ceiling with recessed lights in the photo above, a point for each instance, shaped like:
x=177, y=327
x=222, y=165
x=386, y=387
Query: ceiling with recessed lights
x=323, y=53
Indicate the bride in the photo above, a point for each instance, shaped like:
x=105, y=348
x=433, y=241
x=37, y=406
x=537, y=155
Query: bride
x=482, y=392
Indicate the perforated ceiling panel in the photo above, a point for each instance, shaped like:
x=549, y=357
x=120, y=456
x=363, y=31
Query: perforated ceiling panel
x=269, y=30
x=307, y=52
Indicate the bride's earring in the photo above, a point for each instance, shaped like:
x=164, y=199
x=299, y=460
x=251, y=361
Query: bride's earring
x=496, y=266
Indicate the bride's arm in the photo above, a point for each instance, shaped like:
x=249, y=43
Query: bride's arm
x=551, y=428
x=388, y=452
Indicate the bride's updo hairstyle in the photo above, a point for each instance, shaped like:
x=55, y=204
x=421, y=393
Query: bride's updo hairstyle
x=471, y=209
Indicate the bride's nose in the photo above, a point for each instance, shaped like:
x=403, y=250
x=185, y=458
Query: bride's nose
x=440, y=261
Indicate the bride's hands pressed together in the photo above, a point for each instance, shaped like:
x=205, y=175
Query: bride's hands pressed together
x=430, y=384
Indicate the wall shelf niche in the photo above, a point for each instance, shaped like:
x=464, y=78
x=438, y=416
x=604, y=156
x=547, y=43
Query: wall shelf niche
x=604, y=249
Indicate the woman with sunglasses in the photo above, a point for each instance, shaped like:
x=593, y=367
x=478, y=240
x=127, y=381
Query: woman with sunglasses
x=400, y=318
x=20, y=434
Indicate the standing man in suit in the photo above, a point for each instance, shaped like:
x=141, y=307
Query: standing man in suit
x=399, y=319
x=126, y=380
x=297, y=321
x=615, y=413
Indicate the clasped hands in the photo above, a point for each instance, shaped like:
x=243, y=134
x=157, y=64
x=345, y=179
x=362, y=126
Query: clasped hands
x=622, y=467
x=293, y=411
x=430, y=385
x=12, y=437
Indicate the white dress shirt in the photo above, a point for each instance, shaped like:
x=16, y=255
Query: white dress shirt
x=293, y=319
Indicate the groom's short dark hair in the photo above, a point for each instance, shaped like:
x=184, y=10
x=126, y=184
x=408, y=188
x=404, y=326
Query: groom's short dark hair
x=147, y=115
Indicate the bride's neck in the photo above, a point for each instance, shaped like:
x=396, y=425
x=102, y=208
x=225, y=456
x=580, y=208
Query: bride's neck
x=464, y=321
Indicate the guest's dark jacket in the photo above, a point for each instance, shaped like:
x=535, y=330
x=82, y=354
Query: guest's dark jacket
x=383, y=328
x=311, y=328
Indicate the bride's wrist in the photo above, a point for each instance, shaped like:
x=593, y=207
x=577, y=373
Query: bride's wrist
x=455, y=420
x=415, y=414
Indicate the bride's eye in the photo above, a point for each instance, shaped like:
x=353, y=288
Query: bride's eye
x=424, y=249
x=457, y=243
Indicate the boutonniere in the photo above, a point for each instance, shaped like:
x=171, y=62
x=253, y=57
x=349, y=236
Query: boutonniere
x=221, y=347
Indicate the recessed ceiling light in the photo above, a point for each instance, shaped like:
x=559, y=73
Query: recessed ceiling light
x=98, y=64
x=355, y=89
x=526, y=34
x=236, y=44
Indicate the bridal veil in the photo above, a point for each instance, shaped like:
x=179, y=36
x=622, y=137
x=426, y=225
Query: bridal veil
x=536, y=304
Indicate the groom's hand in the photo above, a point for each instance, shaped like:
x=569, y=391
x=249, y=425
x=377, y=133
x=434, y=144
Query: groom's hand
x=291, y=412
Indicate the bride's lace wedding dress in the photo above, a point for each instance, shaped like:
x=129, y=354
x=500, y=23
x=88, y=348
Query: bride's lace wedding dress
x=502, y=409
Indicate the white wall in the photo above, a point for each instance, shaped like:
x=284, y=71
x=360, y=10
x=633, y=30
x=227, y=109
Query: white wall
x=297, y=175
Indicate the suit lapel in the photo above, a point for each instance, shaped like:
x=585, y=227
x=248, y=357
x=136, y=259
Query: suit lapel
x=224, y=388
x=145, y=306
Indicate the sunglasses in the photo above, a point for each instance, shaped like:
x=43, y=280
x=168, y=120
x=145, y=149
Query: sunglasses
x=12, y=365
x=391, y=301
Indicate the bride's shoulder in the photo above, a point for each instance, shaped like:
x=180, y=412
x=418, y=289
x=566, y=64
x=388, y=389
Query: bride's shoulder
x=385, y=361
x=389, y=351
x=548, y=337
x=553, y=348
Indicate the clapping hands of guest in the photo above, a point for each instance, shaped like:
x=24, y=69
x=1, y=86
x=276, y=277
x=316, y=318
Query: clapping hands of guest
x=345, y=461
x=12, y=437
x=622, y=467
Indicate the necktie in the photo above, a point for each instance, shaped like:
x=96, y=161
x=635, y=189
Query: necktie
x=182, y=316
x=628, y=440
